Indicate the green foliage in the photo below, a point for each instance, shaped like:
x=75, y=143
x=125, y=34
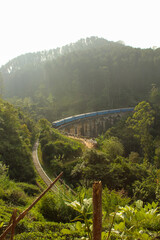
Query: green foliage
x=5, y=214
x=134, y=157
x=125, y=135
x=84, y=208
x=53, y=208
x=112, y=147
x=39, y=235
x=49, y=230
x=141, y=122
x=3, y=169
x=89, y=168
x=111, y=200
x=145, y=189
x=11, y=193
x=91, y=74
x=154, y=97
x=137, y=222
x=44, y=124
x=59, y=153
x=142, y=118
x=15, y=143
x=60, y=150
x=12, y=196
x=1, y=85
x=77, y=228
x=29, y=189
x=117, y=174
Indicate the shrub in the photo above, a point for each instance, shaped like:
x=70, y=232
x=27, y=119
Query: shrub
x=53, y=208
x=11, y=193
x=15, y=196
x=145, y=190
x=112, y=199
x=112, y=147
x=30, y=189
x=137, y=222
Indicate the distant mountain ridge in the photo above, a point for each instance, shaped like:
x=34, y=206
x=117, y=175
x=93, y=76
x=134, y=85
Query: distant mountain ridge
x=49, y=55
x=89, y=75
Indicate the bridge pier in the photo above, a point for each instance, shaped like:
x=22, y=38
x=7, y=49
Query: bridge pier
x=91, y=127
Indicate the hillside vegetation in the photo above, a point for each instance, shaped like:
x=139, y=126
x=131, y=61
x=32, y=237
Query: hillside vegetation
x=17, y=134
x=91, y=74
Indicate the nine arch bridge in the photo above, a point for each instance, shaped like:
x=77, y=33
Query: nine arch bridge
x=90, y=124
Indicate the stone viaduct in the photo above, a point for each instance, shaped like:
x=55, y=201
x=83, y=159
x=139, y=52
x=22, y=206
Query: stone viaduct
x=90, y=125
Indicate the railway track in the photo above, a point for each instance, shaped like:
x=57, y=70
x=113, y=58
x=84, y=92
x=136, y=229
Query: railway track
x=61, y=187
x=39, y=168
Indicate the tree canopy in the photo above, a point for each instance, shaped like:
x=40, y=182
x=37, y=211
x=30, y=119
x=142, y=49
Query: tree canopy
x=91, y=74
x=15, y=142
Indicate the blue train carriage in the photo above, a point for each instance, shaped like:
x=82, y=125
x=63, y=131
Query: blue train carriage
x=91, y=114
x=80, y=116
x=104, y=112
x=57, y=123
x=110, y=111
x=129, y=109
x=69, y=119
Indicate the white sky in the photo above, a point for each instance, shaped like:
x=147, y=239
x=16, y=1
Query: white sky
x=35, y=25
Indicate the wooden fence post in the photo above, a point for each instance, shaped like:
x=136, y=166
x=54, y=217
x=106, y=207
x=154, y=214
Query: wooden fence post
x=97, y=210
x=14, y=223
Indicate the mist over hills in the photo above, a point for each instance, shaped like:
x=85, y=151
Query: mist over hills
x=89, y=75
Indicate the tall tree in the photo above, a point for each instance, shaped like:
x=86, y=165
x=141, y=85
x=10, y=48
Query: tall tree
x=1, y=85
x=15, y=145
x=141, y=122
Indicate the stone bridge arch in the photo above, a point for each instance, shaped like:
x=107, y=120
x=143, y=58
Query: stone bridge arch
x=91, y=125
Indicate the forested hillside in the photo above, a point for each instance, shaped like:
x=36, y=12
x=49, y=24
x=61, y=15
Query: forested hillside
x=17, y=134
x=91, y=74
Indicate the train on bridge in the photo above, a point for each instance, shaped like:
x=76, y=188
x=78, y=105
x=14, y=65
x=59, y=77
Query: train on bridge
x=64, y=121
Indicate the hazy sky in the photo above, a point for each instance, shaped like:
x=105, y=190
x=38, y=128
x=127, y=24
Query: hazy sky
x=35, y=25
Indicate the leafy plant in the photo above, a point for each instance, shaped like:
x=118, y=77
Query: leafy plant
x=84, y=208
x=112, y=199
x=137, y=222
x=53, y=208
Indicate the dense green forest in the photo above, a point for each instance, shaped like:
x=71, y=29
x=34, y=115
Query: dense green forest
x=126, y=156
x=91, y=74
x=17, y=134
x=126, y=160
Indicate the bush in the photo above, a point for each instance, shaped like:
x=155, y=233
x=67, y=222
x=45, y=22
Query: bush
x=11, y=193
x=59, y=150
x=52, y=235
x=145, y=190
x=112, y=147
x=53, y=208
x=112, y=199
x=15, y=196
x=5, y=212
x=30, y=189
x=139, y=222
